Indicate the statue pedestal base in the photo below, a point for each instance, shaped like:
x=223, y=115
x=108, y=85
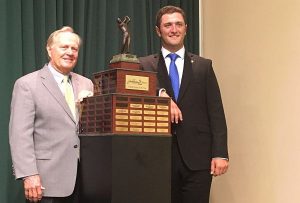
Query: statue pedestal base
x=127, y=61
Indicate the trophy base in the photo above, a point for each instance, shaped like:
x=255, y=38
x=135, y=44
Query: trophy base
x=127, y=61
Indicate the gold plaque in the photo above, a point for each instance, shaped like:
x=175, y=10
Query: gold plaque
x=136, y=129
x=162, y=124
x=136, y=111
x=149, y=106
x=149, y=124
x=121, y=117
x=163, y=113
x=162, y=130
x=121, y=110
x=135, y=117
x=149, y=112
x=149, y=130
x=134, y=82
x=162, y=107
x=149, y=118
x=162, y=118
x=121, y=123
x=136, y=123
x=123, y=129
x=137, y=106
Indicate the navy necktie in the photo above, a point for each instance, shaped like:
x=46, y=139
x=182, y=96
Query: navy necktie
x=173, y=74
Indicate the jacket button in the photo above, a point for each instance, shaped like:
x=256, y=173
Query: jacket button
x=75, y=146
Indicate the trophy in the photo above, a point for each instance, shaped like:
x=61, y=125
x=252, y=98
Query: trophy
x=124, y=100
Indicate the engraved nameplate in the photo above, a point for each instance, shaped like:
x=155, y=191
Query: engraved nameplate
x=137, y=106
x=162, y=113
x=136, y=129
x=136, y=111
x=121, y=123
x=121, y=117
x=133, y=82
x=149, y=106
x=149, y=130
x=162, y=130
x=149, y=112
x=149, y=124
x=135, y=117
x=123, y=129
x=162, y=124
x=136, y=123
x=162, y=107
x=162, y=118
x=121, y=110
x=149, y=118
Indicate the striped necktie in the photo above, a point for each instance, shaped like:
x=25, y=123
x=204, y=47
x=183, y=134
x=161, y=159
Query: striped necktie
x=173, y=74
x=69, y=95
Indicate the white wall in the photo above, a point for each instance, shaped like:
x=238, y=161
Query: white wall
x=255, y=48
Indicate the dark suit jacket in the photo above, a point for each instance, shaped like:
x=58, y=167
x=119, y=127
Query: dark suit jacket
x=202, y=134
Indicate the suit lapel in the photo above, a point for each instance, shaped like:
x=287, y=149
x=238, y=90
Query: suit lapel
x=186, y=75
x=51, y=85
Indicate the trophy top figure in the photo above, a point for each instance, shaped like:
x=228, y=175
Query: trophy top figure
x=123, y=25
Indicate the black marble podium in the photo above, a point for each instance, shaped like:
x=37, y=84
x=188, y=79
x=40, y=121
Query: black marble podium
x=125, y=169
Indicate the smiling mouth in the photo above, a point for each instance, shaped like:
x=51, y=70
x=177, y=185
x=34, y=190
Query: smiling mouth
x=68, y=60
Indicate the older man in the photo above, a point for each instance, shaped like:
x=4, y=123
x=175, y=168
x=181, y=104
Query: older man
x=43, y=123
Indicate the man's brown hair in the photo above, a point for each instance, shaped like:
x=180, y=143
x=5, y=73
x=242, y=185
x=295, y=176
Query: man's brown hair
x=168, y=10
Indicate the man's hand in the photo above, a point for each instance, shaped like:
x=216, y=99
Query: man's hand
x=33, y=188
x=219, y=166
x=176, y=114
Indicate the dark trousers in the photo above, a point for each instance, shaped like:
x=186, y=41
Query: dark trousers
x=188, y=186
x=73, y=198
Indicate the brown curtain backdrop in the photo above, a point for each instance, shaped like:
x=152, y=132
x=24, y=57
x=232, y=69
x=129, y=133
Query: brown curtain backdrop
x=26, y=24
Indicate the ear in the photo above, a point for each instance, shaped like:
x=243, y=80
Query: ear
x=157, y=31
x=185, y=29
x=49, y=51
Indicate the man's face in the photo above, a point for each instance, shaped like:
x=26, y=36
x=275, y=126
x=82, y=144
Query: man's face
x=63, y=52
x=172, y=31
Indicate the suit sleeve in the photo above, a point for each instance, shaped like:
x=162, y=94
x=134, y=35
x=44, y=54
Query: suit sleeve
x=21, y=129
x=216, y=116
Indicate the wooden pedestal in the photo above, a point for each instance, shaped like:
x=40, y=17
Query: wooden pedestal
x=125, y=169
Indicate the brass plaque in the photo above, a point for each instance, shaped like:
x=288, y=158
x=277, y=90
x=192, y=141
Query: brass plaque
x=149, y=130
x=162, y=124
x=135, y=117
x=123, y=129
x=121, y=117
x=136, y=129
x=137, y=106
x=136, y=123
x=121, y=110
x=149, y=112
x=121, y=123
x=134, y=82
x=162, y=130
x=149, y=118
x=149, y=106
x=162, y=118
x=162, y=107
x=163, y=113
x=151, y=124
x=136, y=111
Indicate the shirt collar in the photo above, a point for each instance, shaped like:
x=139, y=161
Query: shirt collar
x=180, y=52
x=57, y=75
